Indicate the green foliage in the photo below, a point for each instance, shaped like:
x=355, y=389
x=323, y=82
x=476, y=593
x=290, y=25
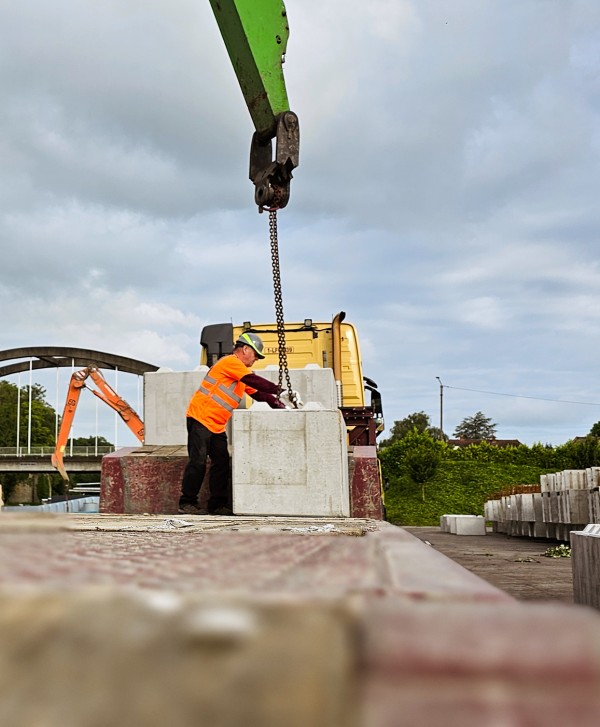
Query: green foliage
x=558, y=551
x=91, y=442
x=466, y=477
x=418, y=421
x=582, y=453
x=457, y=487
x=476, y=427
x=595, y=430
x=43, y=416
x=417, y=455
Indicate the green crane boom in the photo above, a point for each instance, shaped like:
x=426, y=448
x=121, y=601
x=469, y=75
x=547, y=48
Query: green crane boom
x=256, y=34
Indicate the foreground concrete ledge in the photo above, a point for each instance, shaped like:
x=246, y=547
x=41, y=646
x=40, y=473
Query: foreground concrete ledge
x=158, y=658
x=420, y=572
x=165, y=658
x=481, y=664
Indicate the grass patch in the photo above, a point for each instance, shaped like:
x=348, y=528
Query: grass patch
x=457, y=488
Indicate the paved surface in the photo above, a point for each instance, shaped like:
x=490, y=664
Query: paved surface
x=267, y=554
x=183, y=554
x=301, y=557
x=513, y=564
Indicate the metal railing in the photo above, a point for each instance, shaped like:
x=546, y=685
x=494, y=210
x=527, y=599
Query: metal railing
x=76, y=451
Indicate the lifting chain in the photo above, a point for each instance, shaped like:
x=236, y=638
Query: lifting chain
x=283, y=363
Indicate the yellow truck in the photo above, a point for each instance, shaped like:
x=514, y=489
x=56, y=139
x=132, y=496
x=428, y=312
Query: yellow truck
x=332, y=344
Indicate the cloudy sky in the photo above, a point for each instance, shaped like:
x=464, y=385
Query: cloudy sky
x=446, y=198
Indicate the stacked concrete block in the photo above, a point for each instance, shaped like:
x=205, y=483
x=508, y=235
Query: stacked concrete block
x=564, y=502
x=494, y=512
x=585, y=561
x=593, y=477
x=594, y=505
x=312, y=383
x=502, y=515
x=539, y=527
x=573, y=506
x=445, y=523
x=491, y=511
x=463, y=524
x=166, y=397
x=550, y=507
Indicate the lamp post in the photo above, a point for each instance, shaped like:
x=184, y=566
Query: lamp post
x=441, y=408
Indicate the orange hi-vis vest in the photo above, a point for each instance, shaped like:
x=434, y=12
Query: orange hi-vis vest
x=219, y=394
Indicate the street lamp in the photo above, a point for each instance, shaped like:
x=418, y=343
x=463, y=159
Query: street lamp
x=441, y=408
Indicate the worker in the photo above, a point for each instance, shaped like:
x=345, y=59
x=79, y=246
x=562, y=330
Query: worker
x=220, y=393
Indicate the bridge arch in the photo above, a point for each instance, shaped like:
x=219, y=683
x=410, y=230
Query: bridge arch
x=47, y=357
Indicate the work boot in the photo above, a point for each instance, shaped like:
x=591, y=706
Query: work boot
x=190, y=509
x=223, y=510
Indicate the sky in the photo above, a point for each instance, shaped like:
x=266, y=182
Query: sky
x=446, y=197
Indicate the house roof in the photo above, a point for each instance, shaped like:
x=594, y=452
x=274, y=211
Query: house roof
x=502, y=443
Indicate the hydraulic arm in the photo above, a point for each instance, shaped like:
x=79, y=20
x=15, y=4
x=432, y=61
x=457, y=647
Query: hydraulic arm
x=256, y=34
x=107, y=395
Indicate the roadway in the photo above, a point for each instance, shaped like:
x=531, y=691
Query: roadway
x=39, y=465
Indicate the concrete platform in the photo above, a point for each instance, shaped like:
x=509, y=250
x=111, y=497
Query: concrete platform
x=138, y=480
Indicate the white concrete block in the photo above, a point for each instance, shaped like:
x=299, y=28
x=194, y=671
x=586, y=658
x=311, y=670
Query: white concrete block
x=166, y=398
x=288, y=462
x=592, y=529
x=470, y=525
x=527, y=510
x=538, y=507
x=446, y=523
x=313, y=384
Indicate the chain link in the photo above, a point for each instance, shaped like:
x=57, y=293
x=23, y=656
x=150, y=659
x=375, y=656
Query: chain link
x=283, y=362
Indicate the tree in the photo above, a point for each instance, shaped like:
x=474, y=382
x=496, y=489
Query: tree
x=43, y=416
x=417, y=454
x=418, y=421
x=583, y=453
x=91, y=441
x=476, y=427
x=595, y=430
x=43, y=423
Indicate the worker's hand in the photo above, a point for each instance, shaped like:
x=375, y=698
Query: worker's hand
x=292, y=398
x=277, y=404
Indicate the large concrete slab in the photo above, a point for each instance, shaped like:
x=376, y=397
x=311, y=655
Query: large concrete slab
x=166, y=398
x=312, y=383
x=288, y=462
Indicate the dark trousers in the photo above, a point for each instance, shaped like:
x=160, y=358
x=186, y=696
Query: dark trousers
x=202, y=443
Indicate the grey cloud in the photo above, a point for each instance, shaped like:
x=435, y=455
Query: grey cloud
x=446, y=194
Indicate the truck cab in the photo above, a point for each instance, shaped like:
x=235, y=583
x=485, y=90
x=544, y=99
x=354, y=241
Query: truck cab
x=333, y=344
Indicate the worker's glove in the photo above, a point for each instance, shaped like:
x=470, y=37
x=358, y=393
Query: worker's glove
x=291, y=399
x=277, y=404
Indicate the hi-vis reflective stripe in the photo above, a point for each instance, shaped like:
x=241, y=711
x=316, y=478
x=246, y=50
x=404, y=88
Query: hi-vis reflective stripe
x=229, y=392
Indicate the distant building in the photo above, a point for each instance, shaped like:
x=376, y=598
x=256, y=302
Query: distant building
x=502, y=443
